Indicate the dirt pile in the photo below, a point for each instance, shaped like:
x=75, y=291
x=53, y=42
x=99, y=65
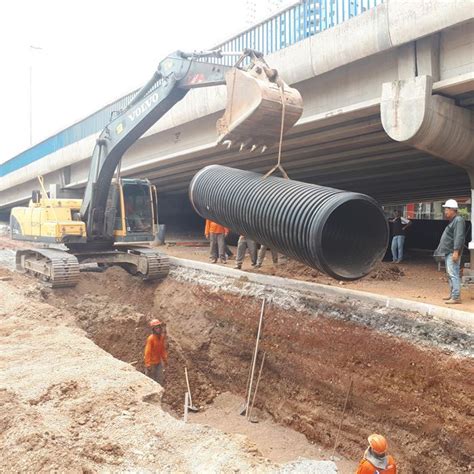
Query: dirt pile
x=420, y=398
x=294, y=269
x=385, y=272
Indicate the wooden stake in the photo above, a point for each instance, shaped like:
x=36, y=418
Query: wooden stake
x=187, y=383
x=243, y=408
x=342, y=418
x=256, y=386
x=186, y=404
x=255, y=357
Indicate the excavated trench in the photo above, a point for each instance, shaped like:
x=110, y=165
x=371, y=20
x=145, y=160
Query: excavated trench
x=420, y=397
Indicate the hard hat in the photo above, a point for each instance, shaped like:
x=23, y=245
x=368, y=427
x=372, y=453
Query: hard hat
x=154, y=323
x=378, y=444
x=451, y=204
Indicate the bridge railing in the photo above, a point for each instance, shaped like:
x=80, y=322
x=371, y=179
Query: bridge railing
x=293, y=24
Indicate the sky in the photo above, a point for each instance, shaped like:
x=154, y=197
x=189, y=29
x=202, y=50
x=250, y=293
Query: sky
x=92, y=52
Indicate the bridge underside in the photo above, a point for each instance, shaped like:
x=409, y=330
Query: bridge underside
x=355, y=155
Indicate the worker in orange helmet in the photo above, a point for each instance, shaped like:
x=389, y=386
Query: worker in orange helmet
x=156, y=357
x=376, y=460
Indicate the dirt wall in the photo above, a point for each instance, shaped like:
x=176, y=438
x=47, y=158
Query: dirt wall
x=420, y=397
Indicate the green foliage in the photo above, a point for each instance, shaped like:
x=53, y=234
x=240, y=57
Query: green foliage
x=464, y=213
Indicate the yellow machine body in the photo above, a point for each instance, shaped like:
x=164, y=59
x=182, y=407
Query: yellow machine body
x=48, y=220
x=132, y=206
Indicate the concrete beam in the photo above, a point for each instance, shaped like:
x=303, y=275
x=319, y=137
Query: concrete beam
x=468, y=274
x=412, y=115
x=409, y=19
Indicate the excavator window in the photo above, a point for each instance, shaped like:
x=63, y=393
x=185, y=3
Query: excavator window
x=138, y=209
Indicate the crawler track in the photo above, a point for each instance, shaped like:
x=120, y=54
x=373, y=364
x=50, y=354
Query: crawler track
x=55, y=268
x=158, y=264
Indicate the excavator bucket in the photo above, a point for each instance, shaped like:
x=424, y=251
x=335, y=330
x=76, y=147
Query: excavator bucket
x=258, y=101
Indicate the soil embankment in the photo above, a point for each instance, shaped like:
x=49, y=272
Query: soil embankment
x=421, y=397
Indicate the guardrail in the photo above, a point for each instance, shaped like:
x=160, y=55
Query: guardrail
x=293, y=24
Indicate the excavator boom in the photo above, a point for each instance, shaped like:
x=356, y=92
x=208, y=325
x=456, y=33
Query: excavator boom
x=256, y=99
x=260, y=107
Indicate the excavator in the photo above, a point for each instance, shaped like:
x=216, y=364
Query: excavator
x=117, y=218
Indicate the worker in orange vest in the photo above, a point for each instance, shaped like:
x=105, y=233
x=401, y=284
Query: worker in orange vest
x=156, y=357
x=216, y=233
x=376, y=460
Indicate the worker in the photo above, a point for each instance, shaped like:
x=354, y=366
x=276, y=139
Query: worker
x=261, y=255
x=450, y=247
x=156, y=357
x=399, y=226
x=243, y=245
x=376, y=460
x=216, y=234
x=228, y=252
x=134, y=221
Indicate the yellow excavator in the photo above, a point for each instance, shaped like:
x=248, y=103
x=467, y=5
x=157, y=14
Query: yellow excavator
x=117, y=217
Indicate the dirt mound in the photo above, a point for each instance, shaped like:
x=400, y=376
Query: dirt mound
x=293, y=269
x=386, y=272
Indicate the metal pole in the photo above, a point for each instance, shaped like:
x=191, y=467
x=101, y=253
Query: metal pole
x=31, y=103
x=37, y=48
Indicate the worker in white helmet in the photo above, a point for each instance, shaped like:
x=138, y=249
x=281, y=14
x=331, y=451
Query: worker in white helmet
x=450, y=247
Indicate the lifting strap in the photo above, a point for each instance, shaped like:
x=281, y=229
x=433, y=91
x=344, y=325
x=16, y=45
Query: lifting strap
x=278, y=166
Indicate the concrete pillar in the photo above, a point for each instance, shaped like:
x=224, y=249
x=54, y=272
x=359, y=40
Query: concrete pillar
x=432, y=123
x=468, y=274
x=407, y=61
x=427, y=57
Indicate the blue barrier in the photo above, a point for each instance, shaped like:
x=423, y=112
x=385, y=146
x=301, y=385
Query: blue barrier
x=293, y=24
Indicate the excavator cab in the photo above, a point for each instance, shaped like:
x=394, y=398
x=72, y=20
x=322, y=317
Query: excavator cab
x=260, y=108
x=131, y=207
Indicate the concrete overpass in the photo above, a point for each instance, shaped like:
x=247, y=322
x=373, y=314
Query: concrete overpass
x=388, y=94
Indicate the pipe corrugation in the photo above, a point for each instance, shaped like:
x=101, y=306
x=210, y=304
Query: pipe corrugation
x=341, y=233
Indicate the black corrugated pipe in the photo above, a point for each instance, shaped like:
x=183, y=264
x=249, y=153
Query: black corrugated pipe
x=341, y=233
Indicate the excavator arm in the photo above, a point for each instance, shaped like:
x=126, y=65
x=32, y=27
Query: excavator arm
x=174, y=77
